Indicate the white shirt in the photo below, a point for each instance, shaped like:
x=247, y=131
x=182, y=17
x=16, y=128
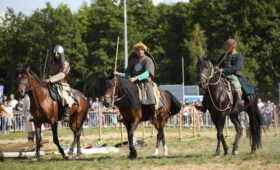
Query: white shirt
x=13, y=103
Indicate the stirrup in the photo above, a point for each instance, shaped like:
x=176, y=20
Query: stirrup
x=66, y=118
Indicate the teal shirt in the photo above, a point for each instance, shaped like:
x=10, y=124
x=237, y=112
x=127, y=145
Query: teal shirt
x=143, y=76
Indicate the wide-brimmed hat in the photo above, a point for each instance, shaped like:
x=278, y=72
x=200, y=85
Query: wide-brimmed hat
x=140, y=45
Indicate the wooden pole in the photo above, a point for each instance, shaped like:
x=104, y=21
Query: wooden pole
x=122, y=137
x=143, y=131
x=227, y=134
x=99, y=121
x=45, y=65
x=275, y=120
x=193, y=121
x=180, y=125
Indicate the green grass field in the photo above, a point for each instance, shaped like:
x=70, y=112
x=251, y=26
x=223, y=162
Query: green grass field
x=187, y=153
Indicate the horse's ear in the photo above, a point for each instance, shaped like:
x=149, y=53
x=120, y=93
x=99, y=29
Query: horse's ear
x=207, y=58
x=200, y=58
x=27, y=68
x=106, y=74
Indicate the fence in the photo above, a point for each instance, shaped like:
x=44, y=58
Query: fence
x=108, y=118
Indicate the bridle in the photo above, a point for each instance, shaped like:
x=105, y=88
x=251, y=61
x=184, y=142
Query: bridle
x=208, y=78
x=29, y=86
x=114, y=95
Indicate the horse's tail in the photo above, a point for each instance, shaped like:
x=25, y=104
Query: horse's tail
x=175, y=104
x=256, y=121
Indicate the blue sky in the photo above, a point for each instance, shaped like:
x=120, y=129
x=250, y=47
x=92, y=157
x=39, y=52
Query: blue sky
x=28, y=6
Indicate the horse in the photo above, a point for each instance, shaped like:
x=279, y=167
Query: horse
x=45, y=110
x=126, y=97
x=219, y=105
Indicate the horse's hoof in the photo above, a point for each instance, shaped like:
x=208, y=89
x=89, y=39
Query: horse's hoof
x=165, y=154
x=70, y=153
x=235, y=153
x=253, y=152
x=155, y=154
x=35, y=159
x=66, y=157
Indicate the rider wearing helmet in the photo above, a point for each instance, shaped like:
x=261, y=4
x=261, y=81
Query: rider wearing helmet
x=58, y=72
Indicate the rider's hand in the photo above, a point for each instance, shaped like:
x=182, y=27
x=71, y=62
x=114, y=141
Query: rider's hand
x=216, y=68
x=116, y=73
x=133, y=79
x=220, y=70
x=47, y=81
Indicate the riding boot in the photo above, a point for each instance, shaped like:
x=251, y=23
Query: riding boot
x=154, y=118
x=66, y=114
x=239, y=102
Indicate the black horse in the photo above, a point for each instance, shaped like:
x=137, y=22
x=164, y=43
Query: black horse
x=219, y=105
x=126, y=97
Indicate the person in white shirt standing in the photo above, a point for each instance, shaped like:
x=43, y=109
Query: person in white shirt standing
x=29, y=126
x=12, y=102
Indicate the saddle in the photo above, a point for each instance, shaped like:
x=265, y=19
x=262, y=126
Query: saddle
x=52, y=88
x=158, y=99
x=230, y=92
x=229, y=88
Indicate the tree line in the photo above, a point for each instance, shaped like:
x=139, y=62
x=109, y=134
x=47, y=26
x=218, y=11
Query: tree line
x=199, y=27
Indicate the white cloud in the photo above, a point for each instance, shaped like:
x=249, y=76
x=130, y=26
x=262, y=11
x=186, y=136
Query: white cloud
x=156, y=2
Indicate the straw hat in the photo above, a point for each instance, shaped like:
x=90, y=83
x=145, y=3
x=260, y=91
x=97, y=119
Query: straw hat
x=140, y=45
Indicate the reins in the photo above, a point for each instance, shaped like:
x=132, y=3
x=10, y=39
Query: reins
x=213, y=84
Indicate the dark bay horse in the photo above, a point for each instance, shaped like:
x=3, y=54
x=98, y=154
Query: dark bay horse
x=133, y=112
x=219, y=105
x=45, y=110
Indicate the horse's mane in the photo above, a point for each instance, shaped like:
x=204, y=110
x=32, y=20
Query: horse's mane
x=130, y=91
x=39, y=80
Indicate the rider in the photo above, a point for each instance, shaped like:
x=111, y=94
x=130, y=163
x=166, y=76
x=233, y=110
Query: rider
x=231, y=68
x=141, y=68
x=58, y=72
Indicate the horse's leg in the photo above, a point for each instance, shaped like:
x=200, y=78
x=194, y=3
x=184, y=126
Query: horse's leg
x=219, y=126
x=78, y=135
x=56, y=141
x=157, y=126
x=71, y=150
x=224, y=145
x=238, y=128
x=130, y=130
x=162, y=138
x=38, y=139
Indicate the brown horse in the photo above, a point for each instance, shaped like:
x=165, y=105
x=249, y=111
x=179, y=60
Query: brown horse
x=133, y=112
x=45, y=110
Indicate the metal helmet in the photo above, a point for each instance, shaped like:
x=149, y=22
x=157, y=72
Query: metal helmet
x=58, y=49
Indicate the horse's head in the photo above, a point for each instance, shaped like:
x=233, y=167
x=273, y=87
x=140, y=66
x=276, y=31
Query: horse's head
x=110, y=89
x=205, y=70
x=23, y=82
